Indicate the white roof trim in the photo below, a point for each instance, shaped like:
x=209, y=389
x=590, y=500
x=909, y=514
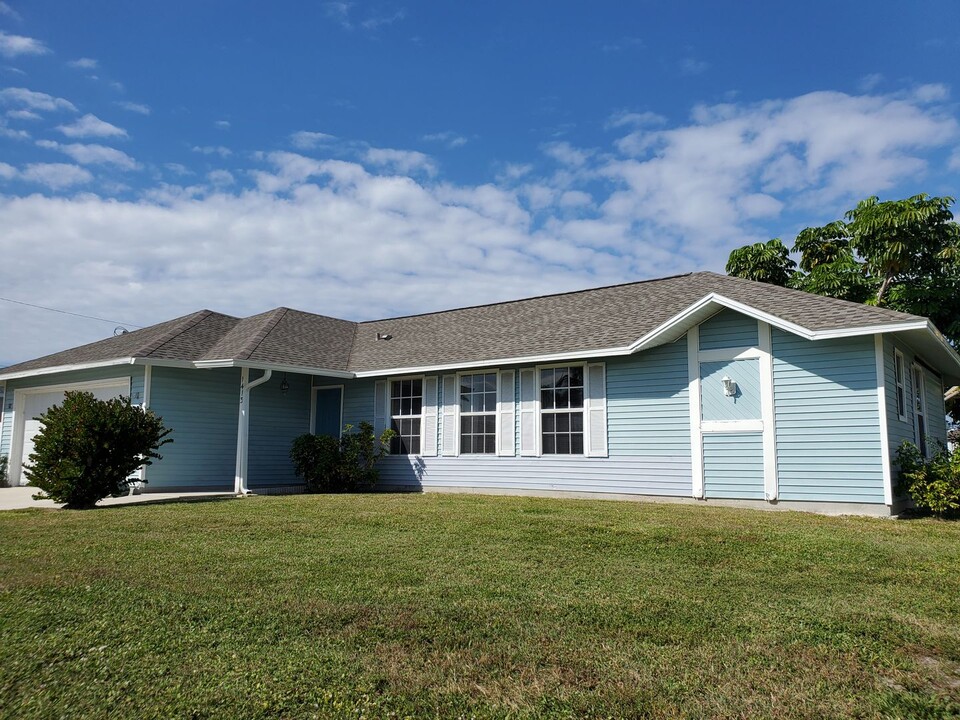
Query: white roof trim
x=275, y=367
x=65, y=368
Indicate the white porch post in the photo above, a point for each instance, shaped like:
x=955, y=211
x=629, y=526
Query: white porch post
x=243, y=427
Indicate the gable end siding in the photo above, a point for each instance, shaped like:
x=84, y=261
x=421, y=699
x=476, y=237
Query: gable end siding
x=728, y=329
x=827, y=419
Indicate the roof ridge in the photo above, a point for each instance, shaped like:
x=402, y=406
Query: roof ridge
x=188, y=322
x=526, y=299
x=271, y=320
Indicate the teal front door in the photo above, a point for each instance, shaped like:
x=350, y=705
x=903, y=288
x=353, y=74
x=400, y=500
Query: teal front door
x=326, y=416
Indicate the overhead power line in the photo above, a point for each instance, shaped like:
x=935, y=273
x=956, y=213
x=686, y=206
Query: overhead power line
x=67, y=312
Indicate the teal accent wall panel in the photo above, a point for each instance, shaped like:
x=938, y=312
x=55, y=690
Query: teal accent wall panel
x=744, y=404
x=648, y=405
x=827, y=419
x=728, y=329
x=275, y=420
x=733, y=466
x=202, y=408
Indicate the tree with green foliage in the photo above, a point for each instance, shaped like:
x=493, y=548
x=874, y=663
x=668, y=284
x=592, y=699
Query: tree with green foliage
x=899, y=254
x=88, y=449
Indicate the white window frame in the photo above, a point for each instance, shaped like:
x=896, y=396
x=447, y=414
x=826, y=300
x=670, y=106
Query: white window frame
x=390, y=417
x=900, y=383
x=495, y=413
x=540, y=411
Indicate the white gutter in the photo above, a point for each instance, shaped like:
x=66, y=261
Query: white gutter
x=243, y=428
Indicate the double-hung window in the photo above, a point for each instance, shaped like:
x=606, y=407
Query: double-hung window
x=920, y=408
x=899, y=373
x=561, y=410
x=406, y=415
x=478, y=413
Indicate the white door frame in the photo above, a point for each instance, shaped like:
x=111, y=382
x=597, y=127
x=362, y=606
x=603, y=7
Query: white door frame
x=19, y=400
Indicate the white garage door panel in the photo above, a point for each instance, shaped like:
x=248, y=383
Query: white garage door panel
x=37, y=403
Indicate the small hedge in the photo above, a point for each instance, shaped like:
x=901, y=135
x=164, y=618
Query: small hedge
x=346, y=464
x=4, y=480
x=88, y=449
x=932, y=483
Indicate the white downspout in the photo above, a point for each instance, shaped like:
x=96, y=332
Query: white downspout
x=243, y=427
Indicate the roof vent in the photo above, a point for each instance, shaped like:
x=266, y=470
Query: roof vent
x=384, y=336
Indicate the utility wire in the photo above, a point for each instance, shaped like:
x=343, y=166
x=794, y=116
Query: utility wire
x=67, y=312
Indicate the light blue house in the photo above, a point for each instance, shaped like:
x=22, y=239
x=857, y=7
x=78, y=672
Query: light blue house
x=698, y=386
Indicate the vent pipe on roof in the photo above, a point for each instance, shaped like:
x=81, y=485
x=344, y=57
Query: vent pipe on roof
x=384, y=336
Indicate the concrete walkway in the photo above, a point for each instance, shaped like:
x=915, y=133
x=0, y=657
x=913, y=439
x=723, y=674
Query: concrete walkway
x=18, y=498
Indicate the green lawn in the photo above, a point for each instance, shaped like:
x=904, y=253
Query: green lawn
x=459, y=606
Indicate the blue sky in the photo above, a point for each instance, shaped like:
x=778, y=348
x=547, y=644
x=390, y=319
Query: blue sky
x=370, y=159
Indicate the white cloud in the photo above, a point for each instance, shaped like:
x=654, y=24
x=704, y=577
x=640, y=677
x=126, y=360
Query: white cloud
x=9, y=11
x=83, y=63
x=178, y=168
x=448, y=138
x=693, y=66
x=869, y=83
x=23, y=115
x=34, y=100
x=372, y=239
x=307, y=140
x=16, y=45
x=565, y=154
x=7, y=171
x=222, y=124
x=379, y=20
x=8, y=132
x=339, y=12
x=93, y=154
x=56, y=176
x=635, y=119
x=133, y=107
x=213, y=150
x=91, y=126
x=402, y=161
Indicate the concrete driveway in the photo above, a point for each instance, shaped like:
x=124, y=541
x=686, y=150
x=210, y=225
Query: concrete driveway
x=18, y=498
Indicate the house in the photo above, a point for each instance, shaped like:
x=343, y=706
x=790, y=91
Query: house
x=696, y=386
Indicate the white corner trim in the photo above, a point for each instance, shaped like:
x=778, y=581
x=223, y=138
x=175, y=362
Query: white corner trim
x=696, y=438
x=771, y=484
x=243, y=428
x=884, y=430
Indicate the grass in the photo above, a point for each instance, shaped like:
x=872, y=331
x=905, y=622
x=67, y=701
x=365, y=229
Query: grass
x=451, y=606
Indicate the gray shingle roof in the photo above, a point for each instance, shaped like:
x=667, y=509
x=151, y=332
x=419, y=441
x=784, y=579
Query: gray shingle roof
x=587, y=320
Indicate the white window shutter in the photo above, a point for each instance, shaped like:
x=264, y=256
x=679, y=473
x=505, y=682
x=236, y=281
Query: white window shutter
x=528, y=413
x=450, y=431
x=428, y=428
x=596, y=410
x=505, y=414
x=380, y=402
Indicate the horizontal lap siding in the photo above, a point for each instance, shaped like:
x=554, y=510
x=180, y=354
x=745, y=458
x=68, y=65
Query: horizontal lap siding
x=132, y=372
x=827, y=419
x=716, y=404
x=936, y=410
x=665, y=475
x=728, y=329
x=202, y=408
x=275, y=420
x=358, y=401
x=733, y=465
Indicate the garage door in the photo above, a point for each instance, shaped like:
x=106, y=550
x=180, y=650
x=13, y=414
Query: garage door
x=37, y=401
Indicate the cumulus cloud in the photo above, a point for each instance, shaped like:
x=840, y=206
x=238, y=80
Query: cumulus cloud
x=222, y=124
x=133, y=107
x=83, y=63
x=92, y=154
x=213, y=150
x=402, y=161
x=56, y=176
x=22, y=97
x=23, y=115
x=91, y=126
x=307, y=140
x=385, y=234
x=15, y=45
x=448, y=138
x=9, y=11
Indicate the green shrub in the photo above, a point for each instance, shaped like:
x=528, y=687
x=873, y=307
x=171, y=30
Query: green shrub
x=346, y=464
x=87, y=449
x=933, y=484
x=4, y=480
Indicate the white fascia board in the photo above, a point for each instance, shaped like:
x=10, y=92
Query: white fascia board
x=275, y=367
x=495, y=363
x=65, y=368
x=160, y=362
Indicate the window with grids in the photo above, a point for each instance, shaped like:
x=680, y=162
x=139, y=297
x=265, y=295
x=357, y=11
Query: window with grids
x=898, y=371
x=561, y=410
x=406, y=408
x=478, y=413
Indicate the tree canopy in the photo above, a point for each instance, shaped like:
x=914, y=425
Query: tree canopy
x=900, y=254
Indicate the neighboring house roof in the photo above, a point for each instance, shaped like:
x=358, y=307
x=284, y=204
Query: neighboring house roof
x=610, y=320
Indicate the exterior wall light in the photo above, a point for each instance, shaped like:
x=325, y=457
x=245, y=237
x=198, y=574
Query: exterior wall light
x=284, y=385
x=729, y=386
